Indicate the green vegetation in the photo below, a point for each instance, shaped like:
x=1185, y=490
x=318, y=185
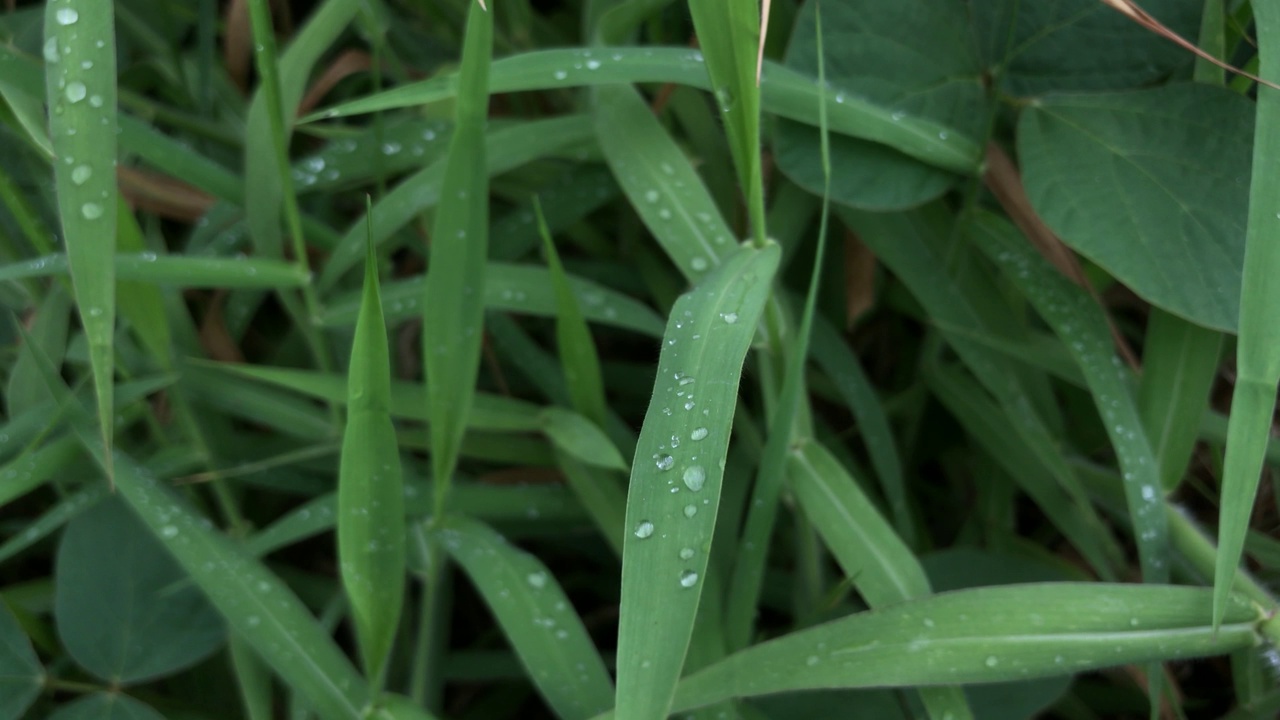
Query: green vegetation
x=446, y=359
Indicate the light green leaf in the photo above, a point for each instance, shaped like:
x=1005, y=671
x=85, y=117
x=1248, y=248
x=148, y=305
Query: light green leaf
x=106, y=706
x=581, y=438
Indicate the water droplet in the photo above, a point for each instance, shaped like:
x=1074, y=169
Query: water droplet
x=688, y=405
x=698, y=433
x=694, y=477
x=254, y=621
x=688, y=578
x=992, y=661
x=730, y=318
x=699, y=264
x=91, y=211
x=665, y=462
x=812, y=660
x=1148, y=493
x=76, y=91
x=95, y=101
x=81, y=174
x=169, y=531
x=537, y=580
x=593, y=64
x=67, y=16
x=644, y=529
x=652, y=196
x=682, y=379
x=686, y=553
x=51, y=53
x=391, y=148
x=690, y=510
x=561, y=74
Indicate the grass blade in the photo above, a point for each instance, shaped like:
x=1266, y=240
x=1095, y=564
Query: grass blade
x=536, y=615
x=1258, y=351
x=371, y=528
x=672, y=503
x=991, y=634
x=176, y=270
x=454, y=312
x=1079, y=322
x=80, y=80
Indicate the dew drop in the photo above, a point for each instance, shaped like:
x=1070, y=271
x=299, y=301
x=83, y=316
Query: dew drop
x=690, y=510
x=51, y=53
x=698, y=434
x=992, y=661
x=561, y=74
x=81, y=174
x=537, y=580
x=169, y=531
x=91, y=211
x=665, y=462
x=652, y=196
x=686, y=553
x=730, y=317
x=688, y=578
x=698, y=264
x=644, y=529
x=76, y=91
x=67, y=16
x=593, y=64
x=694, y=477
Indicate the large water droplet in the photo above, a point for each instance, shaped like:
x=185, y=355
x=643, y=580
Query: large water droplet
x=694, y=477
x=698, y=433
x=730, y=317
x=665, y=462
x=537, y=580
x=81, y=174
x=91, y=211
x=76, y=91
x=690, y=510
x=67, y=16
x=644, y=529
x=688, y=578
x=51, y=51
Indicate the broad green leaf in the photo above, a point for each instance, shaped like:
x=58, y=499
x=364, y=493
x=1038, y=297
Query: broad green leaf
x=453, y=316
x=907, y=57
x=177, y=270
x=536, y=616
x=674, y=492
x=255, y=603
x=117, y=613
x=106, y=706
x=1149, y=184
x=1258, y=353
x=21, y=676
x=80, y=82
x=1079, y=45
x=660, y=182
x=525, y=289
x=992, y=634
x=1076, y=318
x=784, y=92
x=371, y=527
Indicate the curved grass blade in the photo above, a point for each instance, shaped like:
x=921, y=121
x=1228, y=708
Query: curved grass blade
x=503, y=150
x=453, y=317
x=80, y=81
x=675, y=481
x=1258, y=353
x=255, y=603
x=783, y=92
x=536, y=617
x=177, y=270
x=371, y=528
x=581, y=438
x=990, y=634
x=660, y=182
x=1079, y=322
x=728, y=33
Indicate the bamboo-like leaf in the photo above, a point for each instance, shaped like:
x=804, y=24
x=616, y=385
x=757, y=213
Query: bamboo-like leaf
x=371, y=528
x=539, y=622
x=454, y=312
x=1258, y=352
x=675, y=480
x=80, y=80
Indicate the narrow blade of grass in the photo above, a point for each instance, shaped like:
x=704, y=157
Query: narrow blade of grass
x=672, y=503
x=990, y=634
x=452, y=322
x=573, y=338
x=536, y=616
x=1258, y=352
x=1079, y=322
x=371, y=528
x=80, y=80
x=175, y=270
x=729, y=34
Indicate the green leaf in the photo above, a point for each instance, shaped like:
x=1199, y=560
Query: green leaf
x=1150, y=185
x=80, y=81
x=106, y=706
x=453, y=317
x=21, y=676
x=371, y=527
x=994, y=634
x=674, y=492
x=581, y=438
x=255, y=603
x=1079, y=45
x=536, y=616
x=1258, y=353
x=906, y=57
x=176, y=270
x=117, y=611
